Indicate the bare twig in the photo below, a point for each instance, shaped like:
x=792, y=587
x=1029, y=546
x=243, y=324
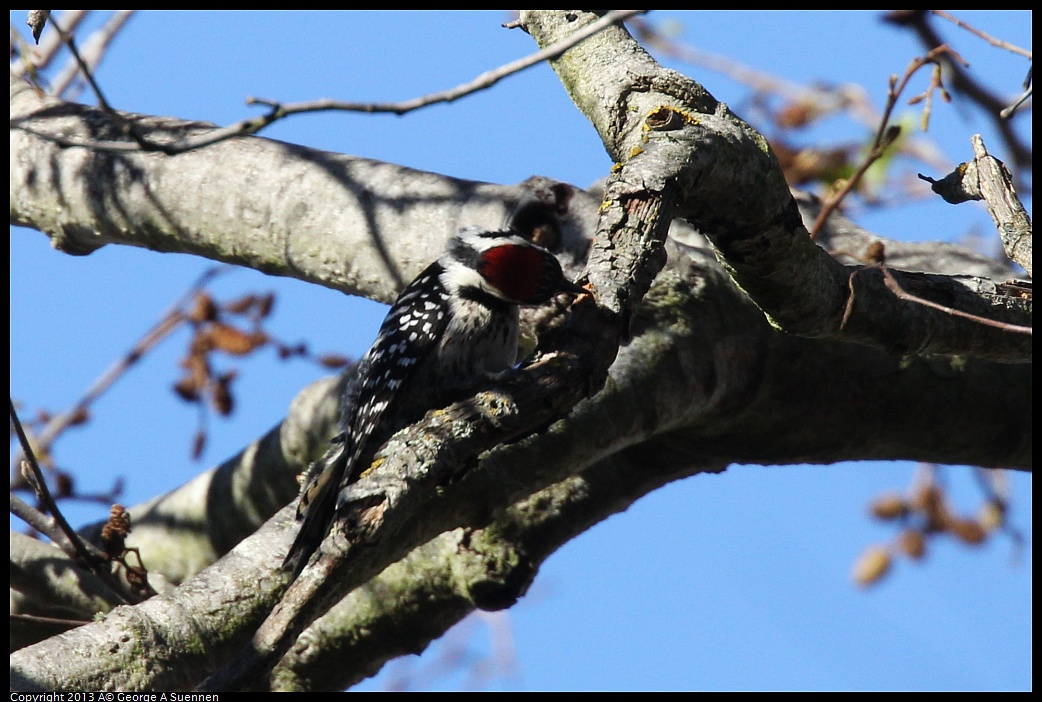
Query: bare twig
x=961, y=82
x=170, y=320
x=875, y=257
x=35, y=518
x=893, y=286
x=983, y=35
x=825, y=99
x=278, y=110
x=59, y=621
x=125, y=126
x=485, y=80
x=93, y=50
x=62, y=534
x=58, y=529
x=83, y=67
x=30, y=469
x=801, y=105
x=886, y=133
x=1008, y=111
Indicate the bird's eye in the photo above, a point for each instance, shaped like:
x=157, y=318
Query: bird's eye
x=537, y=223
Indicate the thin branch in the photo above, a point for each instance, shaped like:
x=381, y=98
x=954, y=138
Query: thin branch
x=93, y=50
x=35, y=518
x=125, y=126
x=802, y=104
x=483, y=81
x=60, y=621
x=73, y=543
x=826, y=99
x=63, y=535
x=886, y=133
x=1008, y=111
x=983, y=35
x=999, y=43
x=278, y=110
x=167, y=324
x=961, y=82
x=83, y=67
x=34, y=476
x=876, y=258
x=893, y=286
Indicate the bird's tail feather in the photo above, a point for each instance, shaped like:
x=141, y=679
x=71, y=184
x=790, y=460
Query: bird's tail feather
x=317, y=507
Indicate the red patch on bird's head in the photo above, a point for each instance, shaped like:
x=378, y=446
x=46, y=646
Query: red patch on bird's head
x=518, y=273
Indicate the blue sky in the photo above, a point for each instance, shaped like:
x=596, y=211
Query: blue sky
x=736, y=581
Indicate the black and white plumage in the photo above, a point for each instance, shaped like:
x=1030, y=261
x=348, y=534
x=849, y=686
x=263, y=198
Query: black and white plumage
x=450, y=328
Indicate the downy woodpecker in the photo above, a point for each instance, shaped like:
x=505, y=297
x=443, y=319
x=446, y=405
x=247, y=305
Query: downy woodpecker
x=455, y=325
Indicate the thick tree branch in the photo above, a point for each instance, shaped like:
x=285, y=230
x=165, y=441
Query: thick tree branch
x=170, y=204
x=721, y=166
x=360, y=226
x=702, y=384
